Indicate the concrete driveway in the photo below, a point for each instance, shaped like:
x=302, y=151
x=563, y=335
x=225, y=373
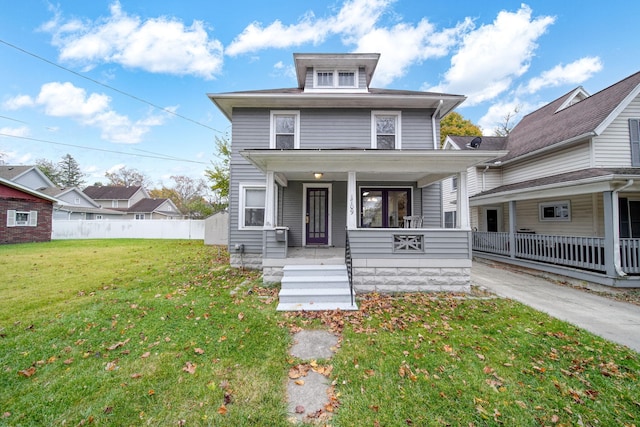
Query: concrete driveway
x=616, y=321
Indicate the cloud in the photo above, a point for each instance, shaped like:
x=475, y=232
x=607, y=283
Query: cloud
x=357, y=22
x=18, y=102
x=157, y=45
x=66, y=100
x=19, y=131
x=497, y=112
x=492, y=56
x=573, y=73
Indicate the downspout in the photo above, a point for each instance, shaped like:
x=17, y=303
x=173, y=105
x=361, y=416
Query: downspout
x=617, y=264
x=483, y=179
x=436, y=140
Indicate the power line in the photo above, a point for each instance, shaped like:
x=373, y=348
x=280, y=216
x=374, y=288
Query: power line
x=137, y=98
x=161, y=157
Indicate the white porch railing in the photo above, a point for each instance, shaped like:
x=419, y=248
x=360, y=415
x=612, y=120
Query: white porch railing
x=579, y=252
x=630, y=255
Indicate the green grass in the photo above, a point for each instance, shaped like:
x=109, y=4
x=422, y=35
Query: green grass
x=153, y=332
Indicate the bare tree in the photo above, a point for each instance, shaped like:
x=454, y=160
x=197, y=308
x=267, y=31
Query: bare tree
x=128, y=177
x=507, y=124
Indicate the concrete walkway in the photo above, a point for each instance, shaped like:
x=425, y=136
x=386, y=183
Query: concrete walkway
x=616, y=321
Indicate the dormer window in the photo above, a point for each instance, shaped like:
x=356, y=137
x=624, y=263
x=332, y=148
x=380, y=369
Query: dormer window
x=335, y=79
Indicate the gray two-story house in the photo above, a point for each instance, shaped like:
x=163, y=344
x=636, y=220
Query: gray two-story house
x=334, y=181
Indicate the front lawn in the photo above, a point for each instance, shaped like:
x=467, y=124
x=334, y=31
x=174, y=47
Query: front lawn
x=154, y=332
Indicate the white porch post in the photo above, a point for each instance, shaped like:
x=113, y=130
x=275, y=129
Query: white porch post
x=352, y=202
x=463, y=202
x=269, y=202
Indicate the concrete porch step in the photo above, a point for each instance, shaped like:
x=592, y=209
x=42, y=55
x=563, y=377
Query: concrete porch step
x=315, y=288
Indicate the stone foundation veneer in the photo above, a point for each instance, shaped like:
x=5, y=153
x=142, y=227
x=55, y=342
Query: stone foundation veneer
x=248, y=261
x=411, y=279
x=271, y=275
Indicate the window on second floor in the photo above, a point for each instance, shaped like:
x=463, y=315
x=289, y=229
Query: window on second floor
x=285, y=134
x=385, y=130
x=335, y=78
x=634, y=133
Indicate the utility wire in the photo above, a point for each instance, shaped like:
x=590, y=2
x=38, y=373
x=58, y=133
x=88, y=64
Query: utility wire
x=162, y=157
x=166, y=110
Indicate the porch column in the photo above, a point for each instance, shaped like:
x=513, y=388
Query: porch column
x=352, y=202
x=512, y=228
x=269, y=201
x=611, y=232
x=462, y=205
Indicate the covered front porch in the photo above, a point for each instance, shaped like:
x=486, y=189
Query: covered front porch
x=587, y=230
x=382, y=251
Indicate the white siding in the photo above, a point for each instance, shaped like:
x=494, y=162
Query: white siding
x=567, y=160
x=612, y=149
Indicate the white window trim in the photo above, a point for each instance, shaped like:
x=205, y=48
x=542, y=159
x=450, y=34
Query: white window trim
x=555, y=204
x=272, y=132
x=241, y=197
x=32, y=219
x=336, y=79
x=139, y=217
x=374, y=139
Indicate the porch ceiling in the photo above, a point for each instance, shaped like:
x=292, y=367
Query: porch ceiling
x=423, y=166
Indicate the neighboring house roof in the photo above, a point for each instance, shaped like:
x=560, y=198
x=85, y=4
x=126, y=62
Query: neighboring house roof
x=489, y=143
x=15, y=172
x=27, y=190
x=153, y=205
x=86, y=209
x=567, y=181
x=62, y=192
x=111, y=192
x=553, y=125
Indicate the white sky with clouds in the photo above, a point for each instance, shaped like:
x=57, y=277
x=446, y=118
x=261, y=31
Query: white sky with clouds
x=163, y=57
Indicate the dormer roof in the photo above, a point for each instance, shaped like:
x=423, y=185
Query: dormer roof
x=303, y=61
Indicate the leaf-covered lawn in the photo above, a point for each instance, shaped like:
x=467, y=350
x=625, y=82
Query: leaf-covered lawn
x=140, y=332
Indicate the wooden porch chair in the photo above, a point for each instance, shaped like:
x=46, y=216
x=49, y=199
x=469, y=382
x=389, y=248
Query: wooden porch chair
x=412, y=221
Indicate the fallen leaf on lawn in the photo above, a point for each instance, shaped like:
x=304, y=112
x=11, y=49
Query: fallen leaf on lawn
x=68, y=361
x=447, y=348
x=521, y=404
x=136, y=376
x=108, y=409
x=222, y=338
x=111, y=366
x=27, y=372
x=145, y=355
x=199, y=351
x=299, y=409
x=222, y=410
x=240, y=316
x=151, y=392
x=299, y=382
x=190, y=368
x=555, y=419
x=6, y=415
x=118, y=344
x=480, y=356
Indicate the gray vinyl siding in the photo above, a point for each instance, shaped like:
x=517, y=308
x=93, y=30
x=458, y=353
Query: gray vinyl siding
x=250, y=130
x=362, y=78
x=416, y=129
x=292, y=211
x=346, y=128
x=438, y=244
x=431, y=206
x=339, y=215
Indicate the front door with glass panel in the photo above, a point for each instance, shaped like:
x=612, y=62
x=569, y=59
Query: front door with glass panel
x=317, y=216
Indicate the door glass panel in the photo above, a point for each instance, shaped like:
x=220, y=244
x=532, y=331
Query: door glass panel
x=372, y=208
x=397, y=203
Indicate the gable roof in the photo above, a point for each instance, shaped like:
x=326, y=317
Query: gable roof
x=553, y=125
x=111, y=192
x=26, y=190
x=61, y=192
x=14, y=172
x=152, y=205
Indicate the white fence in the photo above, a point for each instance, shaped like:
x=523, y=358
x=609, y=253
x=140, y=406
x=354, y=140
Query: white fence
x=118, y=229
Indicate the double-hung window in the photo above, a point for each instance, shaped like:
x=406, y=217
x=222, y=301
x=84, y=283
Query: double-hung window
x=335, y=79
x=252, y=205
x=385, y=130
x=22, y=218
x=285, y=133
x=384, y=207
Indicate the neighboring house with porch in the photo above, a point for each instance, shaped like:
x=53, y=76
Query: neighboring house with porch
x=333, y=181
x=25, y=214
x=566, y=197
x=133, y=202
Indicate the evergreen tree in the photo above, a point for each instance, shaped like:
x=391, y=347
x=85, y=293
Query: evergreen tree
x=69, y=172
x=50, y=169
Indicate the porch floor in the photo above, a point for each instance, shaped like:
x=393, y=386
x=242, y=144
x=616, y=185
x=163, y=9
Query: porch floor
x=309, y=255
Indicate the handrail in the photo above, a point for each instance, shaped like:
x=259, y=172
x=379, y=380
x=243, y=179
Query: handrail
x=348, y=262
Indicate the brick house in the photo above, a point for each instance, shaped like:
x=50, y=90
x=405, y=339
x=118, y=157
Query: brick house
x=25, y=214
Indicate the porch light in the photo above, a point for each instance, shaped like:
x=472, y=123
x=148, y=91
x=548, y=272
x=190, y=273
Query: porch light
x=317, y=175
